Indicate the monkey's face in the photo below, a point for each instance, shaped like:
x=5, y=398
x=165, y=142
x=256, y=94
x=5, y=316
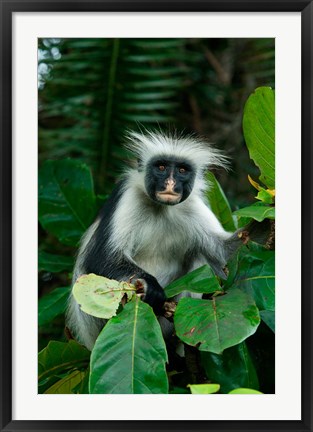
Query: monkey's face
x=169, y=181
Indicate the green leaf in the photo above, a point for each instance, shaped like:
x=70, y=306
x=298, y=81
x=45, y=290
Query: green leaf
x=259, y=132
x=66, y=384
x=67, y=203
x=201, y=280
x=244, y=391
x=219, y=203
x=216, y=324
x=129, y=355
x=45, y=384
x=54, y=263
x=242, y=222
x=265, y=196
x=52, y=305
x=100, y=296
x=231, y=369
x=204, y=388
x=269, y=318
x=58, y=357
x=257, y=211
x=83, y=386
x=256, y=276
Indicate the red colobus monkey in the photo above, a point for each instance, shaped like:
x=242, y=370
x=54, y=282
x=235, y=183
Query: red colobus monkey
x=156, y=226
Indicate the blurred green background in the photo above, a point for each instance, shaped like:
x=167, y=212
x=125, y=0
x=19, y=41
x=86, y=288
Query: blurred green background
x=90, y=91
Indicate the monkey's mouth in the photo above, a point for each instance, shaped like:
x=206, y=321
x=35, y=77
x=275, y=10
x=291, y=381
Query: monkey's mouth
x=168, y=197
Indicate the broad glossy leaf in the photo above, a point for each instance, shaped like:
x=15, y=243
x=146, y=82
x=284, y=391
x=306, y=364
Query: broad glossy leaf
x=258, y=211
x=52, y=305
x=58, y=357
x=100, y=296
x=54, y=263
x=231, y=369
x=204, y=388
x=201, y=280
x=259, y=132
x=256, y=276
x=216, y=324
x=129, y=355
x=251, y=249
x=219, y=203
x=244, y=391
x=67, y=384
x=67, y=203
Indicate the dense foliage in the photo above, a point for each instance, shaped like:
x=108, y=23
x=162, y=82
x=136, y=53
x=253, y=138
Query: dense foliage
x=229, y=334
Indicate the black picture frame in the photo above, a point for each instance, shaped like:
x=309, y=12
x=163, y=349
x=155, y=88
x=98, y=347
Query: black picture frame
x=8, y=7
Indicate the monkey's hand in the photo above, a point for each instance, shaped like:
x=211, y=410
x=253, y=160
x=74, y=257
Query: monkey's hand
x=169, y=309
x=151, y=292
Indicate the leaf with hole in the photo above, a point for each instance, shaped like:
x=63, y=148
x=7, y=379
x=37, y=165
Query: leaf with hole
x=100, y=296
x=217, y=324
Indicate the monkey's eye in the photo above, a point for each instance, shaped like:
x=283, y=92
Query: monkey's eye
x=161, y=167
x=182, y=170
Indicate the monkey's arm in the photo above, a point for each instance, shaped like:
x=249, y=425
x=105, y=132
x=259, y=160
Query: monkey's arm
x=124, y=268
x=218, y=245
x=85, y=328
x=212, y=242
x=96, y=257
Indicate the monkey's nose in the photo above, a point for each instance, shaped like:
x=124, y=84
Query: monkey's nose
x=170, y=182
